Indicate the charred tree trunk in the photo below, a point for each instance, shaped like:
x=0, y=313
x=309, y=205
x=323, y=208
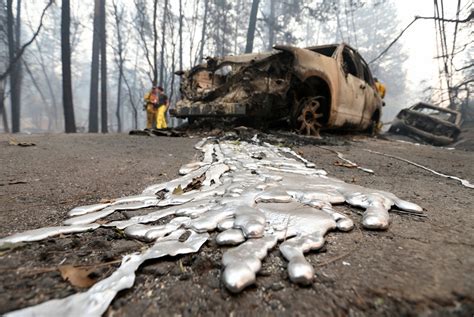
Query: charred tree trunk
x=119, y=98
x=132, y=103
x=3, y=62
x=203, y=34
x=103, y=68
x=271, y=26
x=69, y=122
x=224, y=32
x=155, y=44
x=237, y=28
x=163, y=42
x=15, y=74
x=180, y=31
x=18, y=68
x=94, y=88
x=3, y=113
x=252, y=25
x=120, y=61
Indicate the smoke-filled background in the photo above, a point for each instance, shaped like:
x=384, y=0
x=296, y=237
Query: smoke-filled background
x=119, y=47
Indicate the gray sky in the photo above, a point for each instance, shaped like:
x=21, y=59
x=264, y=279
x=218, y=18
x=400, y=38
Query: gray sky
x=420, y=40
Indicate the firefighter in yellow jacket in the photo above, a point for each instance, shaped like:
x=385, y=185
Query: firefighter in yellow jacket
x=380, y=88
x=151, y=105
x=163, y=105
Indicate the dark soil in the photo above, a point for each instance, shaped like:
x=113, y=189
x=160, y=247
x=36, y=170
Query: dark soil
x=420, y=266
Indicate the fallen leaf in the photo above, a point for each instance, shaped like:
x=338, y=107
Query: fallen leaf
x=77, y=276
x=178, y=190
x=195, y=184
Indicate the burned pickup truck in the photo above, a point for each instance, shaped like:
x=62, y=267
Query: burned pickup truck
x=424, y=121
x=314, y=88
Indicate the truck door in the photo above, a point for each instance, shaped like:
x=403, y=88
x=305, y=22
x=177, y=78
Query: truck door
x=372, y=99
x=352, y=90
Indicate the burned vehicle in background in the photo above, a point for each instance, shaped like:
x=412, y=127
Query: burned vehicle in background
x=314, y=88
x=429, y=123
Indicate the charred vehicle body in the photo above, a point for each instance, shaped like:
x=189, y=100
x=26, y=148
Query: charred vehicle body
x=424, y=121
x=321, y=87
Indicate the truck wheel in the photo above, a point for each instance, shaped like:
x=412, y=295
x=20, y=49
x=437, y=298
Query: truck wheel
x=309, y=120
x=375, y=125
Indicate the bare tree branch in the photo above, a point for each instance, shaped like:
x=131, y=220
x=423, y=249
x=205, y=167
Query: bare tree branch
x=468, y=19
x=464, y=67
x=22, y=49
x=464, y=83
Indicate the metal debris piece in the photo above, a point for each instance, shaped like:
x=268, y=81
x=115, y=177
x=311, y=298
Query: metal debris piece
x=96, y=215
x=463, y=182
x=78, y=211
x=97, y=299
x=43, y=233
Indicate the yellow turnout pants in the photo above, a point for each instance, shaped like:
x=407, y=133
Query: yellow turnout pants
x=150, y=116
x=161, y=117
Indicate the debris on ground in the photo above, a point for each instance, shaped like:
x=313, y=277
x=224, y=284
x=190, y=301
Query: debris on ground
x=14, y=182
x=22, y=144
x=463, y=182
x=347, y=163
x=159, y=132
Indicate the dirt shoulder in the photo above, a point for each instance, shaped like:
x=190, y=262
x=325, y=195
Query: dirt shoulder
x=418, y=266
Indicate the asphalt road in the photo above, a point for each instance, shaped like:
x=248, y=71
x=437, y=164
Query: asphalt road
x=420, y=265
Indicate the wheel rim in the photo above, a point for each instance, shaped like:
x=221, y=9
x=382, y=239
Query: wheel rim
x=309, y=120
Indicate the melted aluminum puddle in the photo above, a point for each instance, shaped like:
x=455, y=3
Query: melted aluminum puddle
x=254, y=194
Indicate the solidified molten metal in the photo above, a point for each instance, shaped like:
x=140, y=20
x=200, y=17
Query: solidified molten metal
x=256, y=195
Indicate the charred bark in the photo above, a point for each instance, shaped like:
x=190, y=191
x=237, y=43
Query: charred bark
x=3, y=62
x=203, y=33
x=132, y=103
x=120, y=61
x=94, y=86
x=163, y=42
x=103, y=68
x=180, y=31
x=252, y=26
x=3, y=113
x=69, y=122
x=13, y=35
x=271, y=26
x=155, y=44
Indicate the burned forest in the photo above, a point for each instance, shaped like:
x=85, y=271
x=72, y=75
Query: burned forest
x=236, y=157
